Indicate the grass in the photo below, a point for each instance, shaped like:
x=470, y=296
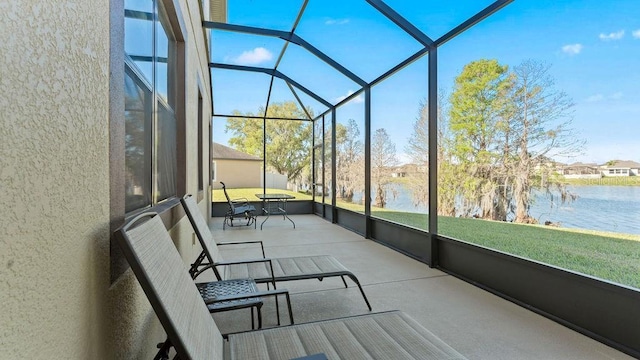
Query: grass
x=250, y=194
x=610, y=256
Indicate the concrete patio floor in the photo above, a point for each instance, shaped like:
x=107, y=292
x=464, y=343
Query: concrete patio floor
x=475, y=322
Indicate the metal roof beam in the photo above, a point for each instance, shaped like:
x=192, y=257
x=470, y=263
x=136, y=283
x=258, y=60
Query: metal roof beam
x=322, y=56
x=247, y=29
x=403, y=23
x=293, y=91
x=401, y=65
x=257, y=117
x=271, y=72
x=241, y=68
x=302, y=88
x=289, y=37
x=486, y=12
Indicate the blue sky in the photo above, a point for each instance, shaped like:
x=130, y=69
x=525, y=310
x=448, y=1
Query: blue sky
x=593, y=48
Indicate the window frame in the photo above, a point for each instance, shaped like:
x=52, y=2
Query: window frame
x=170, y=100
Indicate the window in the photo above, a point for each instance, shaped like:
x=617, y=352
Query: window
x=400, y=154
x=200, y=143
x=150, y=119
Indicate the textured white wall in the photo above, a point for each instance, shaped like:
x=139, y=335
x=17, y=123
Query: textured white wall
x=56, y=296
x=55, y=192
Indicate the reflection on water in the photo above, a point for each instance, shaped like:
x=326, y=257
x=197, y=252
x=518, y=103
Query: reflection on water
x=598, y=207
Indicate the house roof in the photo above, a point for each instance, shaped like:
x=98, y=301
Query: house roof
x=224, y=152
x=580, y=164
x=623, y=164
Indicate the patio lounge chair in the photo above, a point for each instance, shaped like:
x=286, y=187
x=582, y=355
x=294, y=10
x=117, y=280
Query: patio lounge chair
x=280, y=269
x=194, y=334
x=233, y=294
x=238, y=209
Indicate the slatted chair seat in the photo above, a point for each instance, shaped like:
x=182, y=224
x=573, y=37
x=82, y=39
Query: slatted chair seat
x=389, y=335
x=294, y=268
x=194, y=334
x=284, y=269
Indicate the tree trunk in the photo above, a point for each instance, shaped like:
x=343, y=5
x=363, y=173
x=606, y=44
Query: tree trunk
x=380, y=198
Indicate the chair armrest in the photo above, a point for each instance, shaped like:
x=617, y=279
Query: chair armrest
x=245, y=242
x=240, y=200
x=250, y=261
x=244, y=261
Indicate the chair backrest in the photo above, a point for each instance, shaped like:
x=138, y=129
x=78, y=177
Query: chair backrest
x=224, y=189
x=174, y=297
x=202, y=231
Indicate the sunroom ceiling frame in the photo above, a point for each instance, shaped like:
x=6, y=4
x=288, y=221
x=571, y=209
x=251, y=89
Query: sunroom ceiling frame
x=272, y=72
x=386, y=10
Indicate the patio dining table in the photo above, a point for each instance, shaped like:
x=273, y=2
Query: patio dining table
x=275, y=204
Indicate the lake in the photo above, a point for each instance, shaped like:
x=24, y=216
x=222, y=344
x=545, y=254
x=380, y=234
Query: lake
x=598, y=207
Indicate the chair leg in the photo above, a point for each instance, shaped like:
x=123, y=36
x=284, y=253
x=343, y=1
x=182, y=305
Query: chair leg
x=253, y=325
x=355, y=280
x=259, y=311
x=277, y=310
x=289, y=307
x=163, y=353
x=344, y=281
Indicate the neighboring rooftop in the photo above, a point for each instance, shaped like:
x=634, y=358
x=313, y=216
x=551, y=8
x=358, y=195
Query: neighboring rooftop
x=623, y=164
x=224, y=152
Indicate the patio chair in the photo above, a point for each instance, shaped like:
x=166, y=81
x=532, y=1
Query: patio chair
x=238, y=209
x=228, y=295
x=263, y=270
x=193, y=333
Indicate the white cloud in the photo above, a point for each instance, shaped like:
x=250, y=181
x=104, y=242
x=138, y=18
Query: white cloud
x=612, y=36
x=636, y=34
x=616, y=96
x=572, y=49
x=600, y=97
x=336, y=21
x=357, y=100
x=252, y=57
x=596, y=97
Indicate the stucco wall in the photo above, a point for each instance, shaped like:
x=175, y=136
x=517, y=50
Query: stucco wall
x=55, y=289
x=54, y=175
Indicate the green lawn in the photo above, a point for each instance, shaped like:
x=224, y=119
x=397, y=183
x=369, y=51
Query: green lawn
x=250, y=194
x=609, y=256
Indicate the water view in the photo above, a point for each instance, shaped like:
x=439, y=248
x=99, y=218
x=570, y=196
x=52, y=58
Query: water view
x=598, y=207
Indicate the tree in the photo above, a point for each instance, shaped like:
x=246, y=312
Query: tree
x=507, y=126
x=417, y=149
x=479, y=104
x=288, y=142
x=383, y=157
x=541, y=130
x=349, y=160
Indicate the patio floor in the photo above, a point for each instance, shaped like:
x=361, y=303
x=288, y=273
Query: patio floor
x=475, y=322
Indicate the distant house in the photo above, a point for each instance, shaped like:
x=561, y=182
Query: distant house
x=235, y=168
x=580, y=170
x=620, y=168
